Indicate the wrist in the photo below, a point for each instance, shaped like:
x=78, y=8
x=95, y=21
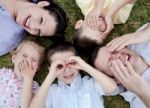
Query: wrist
x=109, y=15
x=28, y=80
x=51, y=77
x=143, y=91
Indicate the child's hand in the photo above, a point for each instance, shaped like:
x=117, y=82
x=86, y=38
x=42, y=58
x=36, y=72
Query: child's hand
x=127, y=76
x=17, y=71
x=109, y=26
x=92, y=19
x=76, y=63
x=27, y=70
x=56, y=68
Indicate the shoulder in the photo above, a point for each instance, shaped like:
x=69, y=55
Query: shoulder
x=6, y=72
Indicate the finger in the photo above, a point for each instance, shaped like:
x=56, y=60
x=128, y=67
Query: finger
x=60, y=65
x=20, y=67
x=17, y=71
x=116, y=74
x=106, y=32
x=117, y=44
x=122, y=68
x=123, y=45
x=95, y=20
x=130, y=68
x=91, y=22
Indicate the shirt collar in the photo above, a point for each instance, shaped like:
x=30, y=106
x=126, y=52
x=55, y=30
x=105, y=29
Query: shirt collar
x=75, y=84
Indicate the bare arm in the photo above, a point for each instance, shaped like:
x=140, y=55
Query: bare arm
x=117, y=5
x=92, y=17
x=26, y=93
x=126, y=75
x=112, y=11
x=138, y=37
x=108, y=84
x=28, y=72
x=40, y=97
x=145, y=94
x=99, y=5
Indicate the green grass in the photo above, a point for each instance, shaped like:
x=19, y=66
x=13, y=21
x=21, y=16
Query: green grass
x=139, y=16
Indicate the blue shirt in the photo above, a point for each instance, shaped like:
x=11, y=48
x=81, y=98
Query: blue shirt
x=82, y=93
x=11, y=34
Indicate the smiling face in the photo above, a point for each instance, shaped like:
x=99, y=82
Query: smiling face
x=69, y=74
x=29, y=53
x=36, y=20
x=92, y=34
x=104, y=59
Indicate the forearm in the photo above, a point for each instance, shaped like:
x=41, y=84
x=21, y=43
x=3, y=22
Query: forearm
x=107, y=83
x=40, y=97
x=145, y=32
x=99, y=5
x=145, y=95
x=116, y=7
x=26, y=93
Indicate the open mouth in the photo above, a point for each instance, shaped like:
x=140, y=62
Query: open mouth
x=69, y=76
x=26, y=21
x=127, y=58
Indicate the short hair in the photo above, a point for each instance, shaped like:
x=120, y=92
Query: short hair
x=37, y=46
x=94, y=55
x=82, y=43
x=63, y=46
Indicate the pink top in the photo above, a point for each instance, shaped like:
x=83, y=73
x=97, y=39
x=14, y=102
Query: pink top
x=10, y=89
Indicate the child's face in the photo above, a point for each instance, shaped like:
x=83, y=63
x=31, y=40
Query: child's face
x=93, y=34
x=69, y=74
x=27, y=53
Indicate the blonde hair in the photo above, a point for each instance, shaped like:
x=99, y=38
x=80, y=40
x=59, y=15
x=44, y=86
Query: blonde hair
x=39, y=48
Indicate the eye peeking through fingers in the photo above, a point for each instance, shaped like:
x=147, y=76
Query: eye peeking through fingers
x=60, y=66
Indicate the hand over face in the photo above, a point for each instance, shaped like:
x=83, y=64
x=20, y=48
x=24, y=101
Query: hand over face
x=27, y=69
x=56, y=68
x=127, y=76
x=109, y=26
x=76, y=62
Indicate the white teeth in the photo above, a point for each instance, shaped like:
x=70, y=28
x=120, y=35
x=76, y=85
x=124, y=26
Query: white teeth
x=127, y=57
x=27, y=22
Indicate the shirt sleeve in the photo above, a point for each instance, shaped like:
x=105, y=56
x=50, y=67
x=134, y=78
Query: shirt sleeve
x=97, y=87
x=142, y=49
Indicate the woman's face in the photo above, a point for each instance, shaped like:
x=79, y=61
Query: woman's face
x=36, y=20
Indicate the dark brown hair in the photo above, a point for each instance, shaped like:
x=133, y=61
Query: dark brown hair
x=59, y=47
x=82, y=43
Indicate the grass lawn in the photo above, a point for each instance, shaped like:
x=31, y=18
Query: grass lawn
x=139, y=16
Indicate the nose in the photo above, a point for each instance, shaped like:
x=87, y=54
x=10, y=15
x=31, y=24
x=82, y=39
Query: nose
x=33, y=23
x=67, y=70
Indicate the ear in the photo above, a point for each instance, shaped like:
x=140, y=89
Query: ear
x=13, y=58
x=43, y=3
x=78, y=24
